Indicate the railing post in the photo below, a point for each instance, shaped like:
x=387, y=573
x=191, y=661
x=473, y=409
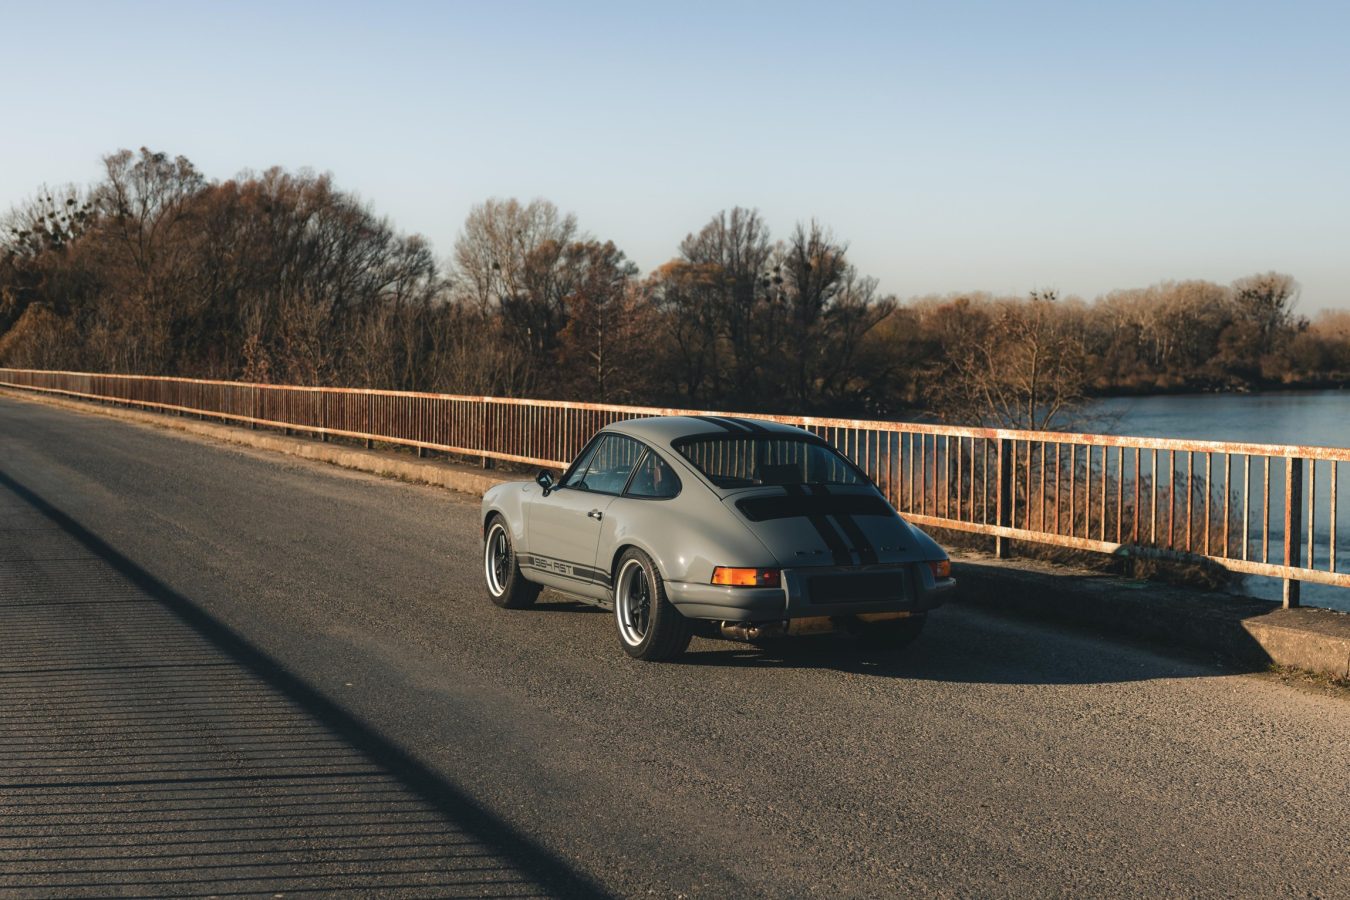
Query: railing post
x=1003, y=508
x=1293, y=520
x=323, y=411
x=487, y=435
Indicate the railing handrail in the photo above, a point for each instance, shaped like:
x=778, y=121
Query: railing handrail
x=1116, y=494
x=1096, y=439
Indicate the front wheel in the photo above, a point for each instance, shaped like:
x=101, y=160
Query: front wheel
x=650, y=627
x=506, y=586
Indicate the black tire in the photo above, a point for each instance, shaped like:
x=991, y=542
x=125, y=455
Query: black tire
x=650, y=627
x=892, y=635
x=506, y=587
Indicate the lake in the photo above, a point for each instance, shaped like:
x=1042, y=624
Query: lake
x=1294, y=417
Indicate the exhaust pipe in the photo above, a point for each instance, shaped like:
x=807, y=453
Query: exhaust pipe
x=754, y=631
x=748, y=631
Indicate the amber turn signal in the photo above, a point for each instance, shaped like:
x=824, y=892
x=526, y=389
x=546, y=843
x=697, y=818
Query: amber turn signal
x=746, y=577
x=942, y=568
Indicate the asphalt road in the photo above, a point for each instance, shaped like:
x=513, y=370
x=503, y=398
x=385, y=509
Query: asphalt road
x=226, y=672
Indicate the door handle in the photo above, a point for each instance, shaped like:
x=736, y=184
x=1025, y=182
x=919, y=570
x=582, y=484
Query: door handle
x=596, y=514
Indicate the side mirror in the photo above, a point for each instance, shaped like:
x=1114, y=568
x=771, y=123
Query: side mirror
x=545, y=480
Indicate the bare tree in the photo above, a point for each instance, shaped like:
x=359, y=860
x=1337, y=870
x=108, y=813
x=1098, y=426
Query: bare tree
x=824, y=309
x=510, y=260
x=606, y=343
x=1016, y=365
x=731, y=254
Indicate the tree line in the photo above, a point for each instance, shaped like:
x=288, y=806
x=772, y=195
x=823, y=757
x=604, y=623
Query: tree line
x=282, y=277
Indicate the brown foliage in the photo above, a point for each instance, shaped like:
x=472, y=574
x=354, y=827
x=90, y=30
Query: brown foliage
x=281, y=276
x=1010, y=363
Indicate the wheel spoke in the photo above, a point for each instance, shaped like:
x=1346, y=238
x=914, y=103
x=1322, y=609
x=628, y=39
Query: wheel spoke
x=633, y=603
x=499, y=560
x=640, y=603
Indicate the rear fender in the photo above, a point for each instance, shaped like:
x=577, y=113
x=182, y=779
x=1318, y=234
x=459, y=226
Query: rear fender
x=684, y=544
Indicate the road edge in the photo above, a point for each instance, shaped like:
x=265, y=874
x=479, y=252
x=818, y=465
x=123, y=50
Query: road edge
x=456, y=477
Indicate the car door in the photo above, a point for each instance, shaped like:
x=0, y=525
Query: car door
x=564, y=527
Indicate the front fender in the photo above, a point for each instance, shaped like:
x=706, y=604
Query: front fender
x=509, y=500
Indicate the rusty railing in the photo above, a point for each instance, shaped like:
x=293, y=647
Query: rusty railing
x=1127, y=496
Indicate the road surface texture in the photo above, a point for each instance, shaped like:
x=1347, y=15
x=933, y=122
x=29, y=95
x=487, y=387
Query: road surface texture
x=227, y=672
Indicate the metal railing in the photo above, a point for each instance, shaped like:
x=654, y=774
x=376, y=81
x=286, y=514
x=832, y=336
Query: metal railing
x=1127, y=496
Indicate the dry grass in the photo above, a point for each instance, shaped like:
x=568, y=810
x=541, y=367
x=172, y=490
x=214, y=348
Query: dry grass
x=1326, y=685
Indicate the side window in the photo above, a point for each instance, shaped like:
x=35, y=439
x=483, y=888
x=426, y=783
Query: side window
x=653, y=479
x=577, y=477
x=612, y=463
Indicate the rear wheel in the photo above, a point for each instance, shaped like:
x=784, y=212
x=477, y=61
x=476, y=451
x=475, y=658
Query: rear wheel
x=893, y=634
x=650, y=627
x=506, y=586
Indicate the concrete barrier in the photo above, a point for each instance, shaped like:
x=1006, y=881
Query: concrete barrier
x=1245, y=630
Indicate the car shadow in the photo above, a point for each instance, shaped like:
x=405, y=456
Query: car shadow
x=965, y=645
x=551, y=601
x=152, y=748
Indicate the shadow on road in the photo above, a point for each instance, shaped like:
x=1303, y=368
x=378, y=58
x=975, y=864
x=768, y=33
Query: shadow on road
x=552, y=601
x=148, y=749
x=966, y=646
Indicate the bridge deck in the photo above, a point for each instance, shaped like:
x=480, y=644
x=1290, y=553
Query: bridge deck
x=223, y=672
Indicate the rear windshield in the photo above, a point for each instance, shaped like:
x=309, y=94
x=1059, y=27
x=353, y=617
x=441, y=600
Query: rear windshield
x=735, y=461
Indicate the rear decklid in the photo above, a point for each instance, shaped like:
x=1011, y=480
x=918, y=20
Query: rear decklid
x=824, y=525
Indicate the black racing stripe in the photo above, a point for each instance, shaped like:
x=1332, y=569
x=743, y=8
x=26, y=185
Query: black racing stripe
x=750, y=425
x=714, y=420
x=733, y=424
x=867, y=552
x=838, y=549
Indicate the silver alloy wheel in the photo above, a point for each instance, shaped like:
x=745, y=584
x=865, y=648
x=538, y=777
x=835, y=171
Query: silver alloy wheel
x=633, y=603
x=496, y=559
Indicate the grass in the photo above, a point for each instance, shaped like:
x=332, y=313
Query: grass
x=1319, y=683
x=1198, y=573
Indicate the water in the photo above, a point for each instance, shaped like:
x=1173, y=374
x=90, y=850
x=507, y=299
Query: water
x=1320, y=418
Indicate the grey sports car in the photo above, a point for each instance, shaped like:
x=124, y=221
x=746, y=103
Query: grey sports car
x=730, y=527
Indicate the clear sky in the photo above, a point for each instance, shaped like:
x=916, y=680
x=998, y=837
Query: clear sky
x=957, y=146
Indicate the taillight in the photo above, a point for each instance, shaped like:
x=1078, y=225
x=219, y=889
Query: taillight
x=746, y=577
x=942, y=568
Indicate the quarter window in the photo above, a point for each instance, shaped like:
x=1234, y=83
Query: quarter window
x=653, y=479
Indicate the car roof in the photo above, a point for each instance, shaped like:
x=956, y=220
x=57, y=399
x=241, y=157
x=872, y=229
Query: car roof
x=662, y=430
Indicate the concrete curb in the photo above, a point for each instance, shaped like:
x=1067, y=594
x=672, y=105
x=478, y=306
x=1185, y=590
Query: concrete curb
x=466, y=479
x=1307, y=638
x=1240, y=629
x=1237, y=628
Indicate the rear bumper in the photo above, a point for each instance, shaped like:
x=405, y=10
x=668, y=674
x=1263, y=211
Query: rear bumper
x=714, y=601
x=792, y=601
